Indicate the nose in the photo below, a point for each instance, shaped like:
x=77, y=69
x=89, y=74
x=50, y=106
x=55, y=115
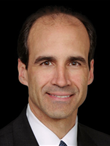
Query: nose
x=61, y=77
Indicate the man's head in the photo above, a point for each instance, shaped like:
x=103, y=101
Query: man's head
x=56, y=62
x=23, y=50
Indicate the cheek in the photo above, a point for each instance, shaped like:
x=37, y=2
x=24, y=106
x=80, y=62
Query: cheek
x=39, y=78
x=80, y=79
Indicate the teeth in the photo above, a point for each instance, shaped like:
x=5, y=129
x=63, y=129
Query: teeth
x=61, y=96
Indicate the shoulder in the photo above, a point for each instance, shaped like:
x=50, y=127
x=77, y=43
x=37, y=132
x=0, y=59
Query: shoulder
x=7, y=133
x=99, y=138
x=6, y=136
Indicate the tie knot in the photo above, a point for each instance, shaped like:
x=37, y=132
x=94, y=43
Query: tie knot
x=62, y=143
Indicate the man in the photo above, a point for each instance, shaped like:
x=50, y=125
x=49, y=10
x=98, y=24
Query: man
x=55, y=50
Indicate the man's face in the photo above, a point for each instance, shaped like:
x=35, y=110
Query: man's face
x=58, y=72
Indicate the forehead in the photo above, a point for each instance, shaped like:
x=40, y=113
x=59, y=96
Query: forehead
x=57, y=30
x=55, y=20
x=60, y=18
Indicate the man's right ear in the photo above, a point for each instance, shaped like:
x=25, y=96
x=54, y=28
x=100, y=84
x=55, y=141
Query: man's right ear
x=23, y=75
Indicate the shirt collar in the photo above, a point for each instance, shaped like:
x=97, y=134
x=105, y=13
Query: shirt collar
x=45, y=137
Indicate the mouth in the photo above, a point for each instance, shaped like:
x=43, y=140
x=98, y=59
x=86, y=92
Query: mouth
x=63, y=96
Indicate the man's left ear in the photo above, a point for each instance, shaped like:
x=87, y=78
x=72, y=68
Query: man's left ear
x=23, y=78
x=91, y=72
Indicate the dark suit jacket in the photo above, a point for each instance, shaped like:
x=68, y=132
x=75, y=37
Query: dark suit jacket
x=19, y=133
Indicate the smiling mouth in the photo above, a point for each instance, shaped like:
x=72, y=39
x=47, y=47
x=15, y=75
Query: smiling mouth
x=60, y=96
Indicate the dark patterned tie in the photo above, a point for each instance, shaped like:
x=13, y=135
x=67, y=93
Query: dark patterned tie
x=62, y=143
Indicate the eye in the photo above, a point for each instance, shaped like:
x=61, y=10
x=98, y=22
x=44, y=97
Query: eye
x=75, y=63
x=47, y=63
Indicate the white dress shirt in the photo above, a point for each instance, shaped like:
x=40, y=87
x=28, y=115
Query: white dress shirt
x=45, y=137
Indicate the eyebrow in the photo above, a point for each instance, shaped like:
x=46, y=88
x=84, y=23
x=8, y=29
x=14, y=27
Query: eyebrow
x=42, y=58
x=77, y=58
x=52, y=58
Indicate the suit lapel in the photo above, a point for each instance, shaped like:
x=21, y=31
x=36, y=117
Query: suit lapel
x=22, y=133
x=83, y=138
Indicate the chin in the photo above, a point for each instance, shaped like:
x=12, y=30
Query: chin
x=61, y=114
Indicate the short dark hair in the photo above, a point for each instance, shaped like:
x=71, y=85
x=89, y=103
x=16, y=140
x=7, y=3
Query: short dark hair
x=22, y=47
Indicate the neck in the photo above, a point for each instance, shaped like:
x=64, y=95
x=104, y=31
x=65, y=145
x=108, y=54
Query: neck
x=58, y=126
